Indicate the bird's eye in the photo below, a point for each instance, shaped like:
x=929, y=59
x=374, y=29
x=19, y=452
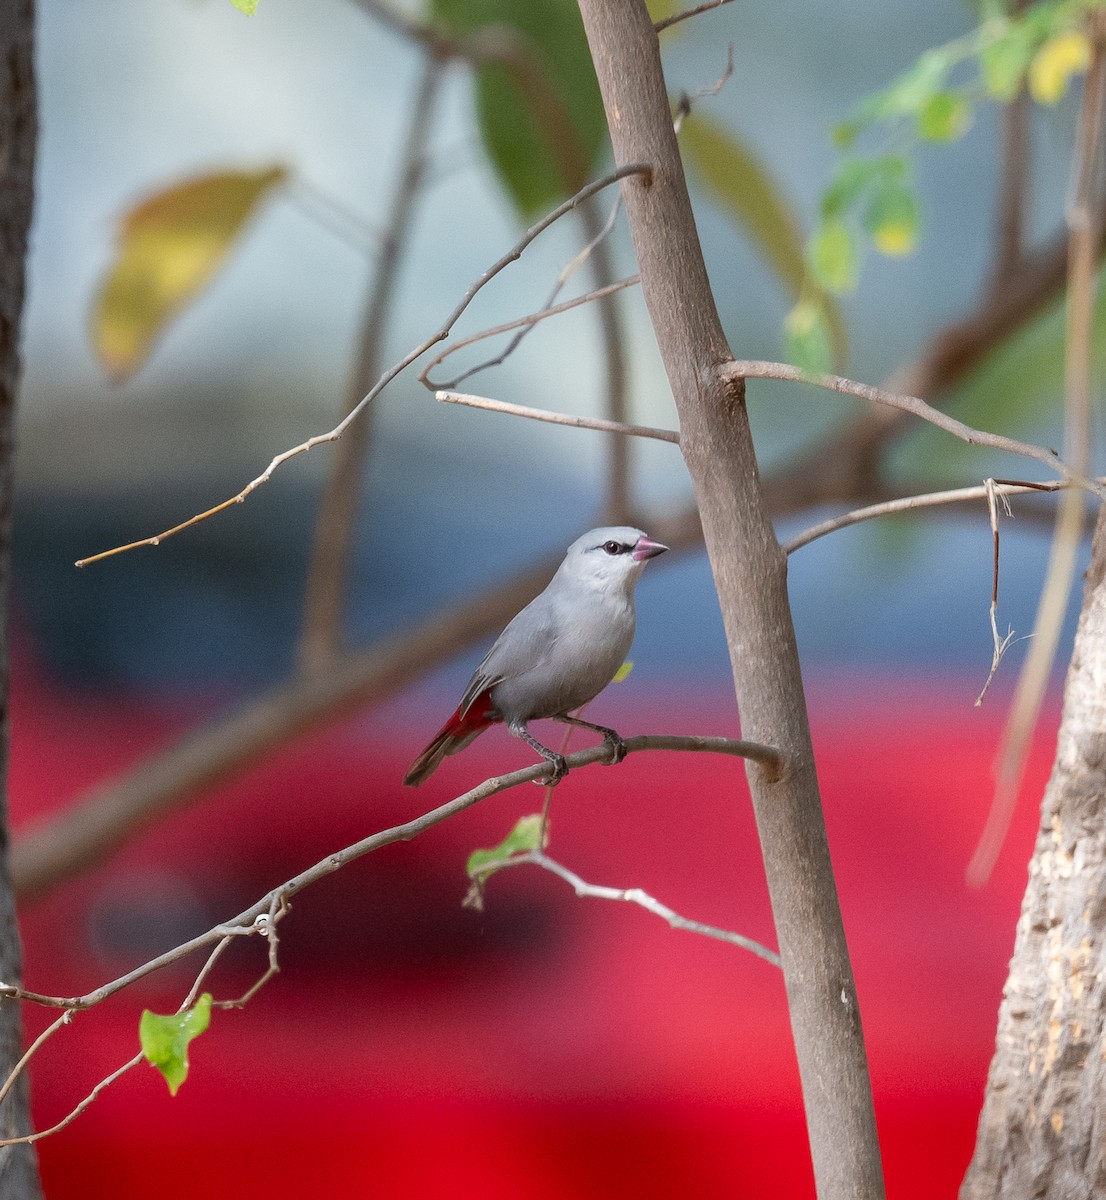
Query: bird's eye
x=613, y=547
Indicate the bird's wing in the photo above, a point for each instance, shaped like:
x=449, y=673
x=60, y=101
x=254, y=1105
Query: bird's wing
x=522, y=646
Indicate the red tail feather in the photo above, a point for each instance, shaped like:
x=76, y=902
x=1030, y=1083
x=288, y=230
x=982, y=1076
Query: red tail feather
x=453, y=736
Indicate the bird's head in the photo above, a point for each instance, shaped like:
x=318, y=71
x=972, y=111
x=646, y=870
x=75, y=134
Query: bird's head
x=611, y=557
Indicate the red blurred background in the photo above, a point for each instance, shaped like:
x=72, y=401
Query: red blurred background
x=548, y=1046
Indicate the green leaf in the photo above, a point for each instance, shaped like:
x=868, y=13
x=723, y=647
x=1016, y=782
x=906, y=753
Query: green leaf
x=834, y=258
x=892, y=220
x=540, y=112
x=945, y=117
x=623, y=672
x=525, y=836
x=1004, y=61
x=906, y=96
x=855, y=176
x=808, y=340
x=169, y=247
x=249, y=7
x=164, y=1040
x=735, y=179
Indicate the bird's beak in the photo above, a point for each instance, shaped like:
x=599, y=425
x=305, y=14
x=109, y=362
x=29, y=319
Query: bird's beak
x=645, y=549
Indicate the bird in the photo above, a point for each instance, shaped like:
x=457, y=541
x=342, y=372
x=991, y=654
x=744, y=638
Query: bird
x=560, y=652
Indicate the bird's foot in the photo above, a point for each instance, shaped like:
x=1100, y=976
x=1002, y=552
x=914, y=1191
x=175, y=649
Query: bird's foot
x=559, y=771
x=617, y=747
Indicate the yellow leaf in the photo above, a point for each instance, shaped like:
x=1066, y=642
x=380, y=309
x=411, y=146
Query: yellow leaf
x=896, y=239
x=1060, y=58
x=169, y=247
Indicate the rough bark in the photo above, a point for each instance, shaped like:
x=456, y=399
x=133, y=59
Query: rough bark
x=750, y=573
x=1042, y=1132
x=18, y=1164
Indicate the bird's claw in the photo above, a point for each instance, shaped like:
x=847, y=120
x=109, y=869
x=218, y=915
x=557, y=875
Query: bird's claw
x=617, y=748
x=558, y=771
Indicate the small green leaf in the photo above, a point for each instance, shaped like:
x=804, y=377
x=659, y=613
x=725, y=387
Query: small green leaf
x=915, y=87
x=833, y=257
x=808, y=342
x=525, y=836
x=1004, y=61
x=249, y=7
x=623, y=672
x=164, y=1040
x=945, y=117
x=892, y=220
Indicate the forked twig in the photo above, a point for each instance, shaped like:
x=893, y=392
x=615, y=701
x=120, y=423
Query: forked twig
x=1000, y=645
x=440, y=335
x=638, y=896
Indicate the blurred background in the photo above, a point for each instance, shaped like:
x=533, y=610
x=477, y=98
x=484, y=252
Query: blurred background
x=548, y=1046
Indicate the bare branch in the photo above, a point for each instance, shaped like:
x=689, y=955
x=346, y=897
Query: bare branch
x=260, y=917
x=910, y=503
x=741, y=370
x=524, y=323
x=440, y=335
x=687, y=100
x=667, y=22
x=84, y=1104
x=637, y=896
x=1000, y=645
x=541, y=414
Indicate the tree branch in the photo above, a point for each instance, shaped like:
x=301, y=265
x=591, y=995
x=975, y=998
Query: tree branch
x=739, y=371
x=537, y=858
x=541, y=414
x=261, y=916
x=750, y=573
x=440, y=335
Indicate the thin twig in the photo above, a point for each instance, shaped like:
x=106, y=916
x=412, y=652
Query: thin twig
x=248, y=922
x=999, y=645
x=741, y=370
x=68, y=1120
x=910, y=503
x=541, y=414
x=667, y=22
x=523, y=323
x=440, y=335
x=66, y=1018
x=688, y=100
x=631, y=896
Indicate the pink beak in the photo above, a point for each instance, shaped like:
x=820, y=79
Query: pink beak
x=645, y=549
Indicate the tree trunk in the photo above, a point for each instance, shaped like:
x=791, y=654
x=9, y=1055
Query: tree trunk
x=750, y=573
x=1042, y=1132
x=18, y=130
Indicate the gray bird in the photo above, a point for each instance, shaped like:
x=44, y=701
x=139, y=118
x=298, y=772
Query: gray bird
x=560, y=652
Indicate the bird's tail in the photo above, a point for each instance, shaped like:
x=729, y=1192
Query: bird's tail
x=461, y=728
